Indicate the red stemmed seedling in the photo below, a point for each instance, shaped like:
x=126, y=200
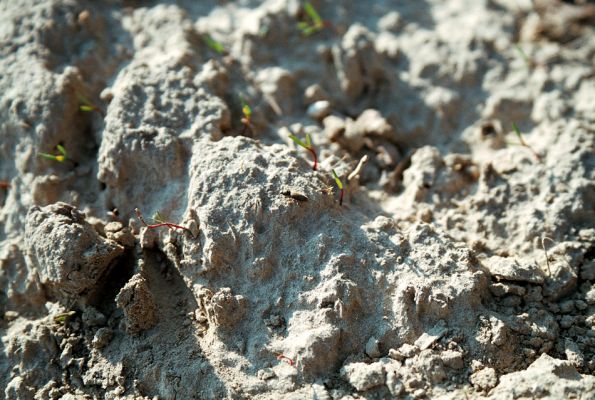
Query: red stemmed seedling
x=61, y=157
x=284, y=358
x=308, y=146
x=247, y=116
x=4, y=185
x=340, y=186
x=87, y=106
x=315, y=23
x=160, y=222
x=523, y=143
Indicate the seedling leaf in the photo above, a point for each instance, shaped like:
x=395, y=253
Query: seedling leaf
x=85, y=108
x=340, y=185
x=313, y=14
x=518, y=133
x=246, y=109
x=298, y=141
x=47, y=156
x=158, y=218
x=213, y=44
x=63, y=156
x=523, y=55
x=62, y=150
x=62, y=317
x=314, y=25
x=338, y=180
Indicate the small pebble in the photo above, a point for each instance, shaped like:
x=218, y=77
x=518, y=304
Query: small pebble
x=102, y=338
x=318, y=110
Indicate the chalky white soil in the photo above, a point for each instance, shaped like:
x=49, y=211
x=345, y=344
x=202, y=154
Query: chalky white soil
x=461, y=264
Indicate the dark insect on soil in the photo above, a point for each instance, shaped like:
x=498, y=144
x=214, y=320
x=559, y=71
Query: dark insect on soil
x=295, y=195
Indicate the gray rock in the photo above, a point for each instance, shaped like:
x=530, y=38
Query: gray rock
x=484, y=379
x=67, y=253
x=364, y=376
x=510, y=269
x=555, y=378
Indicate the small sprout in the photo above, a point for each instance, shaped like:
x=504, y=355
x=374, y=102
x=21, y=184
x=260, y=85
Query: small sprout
x=87, y=106
x=295, y=195
x=315, y=24
x=523, y=143
x=247, y=118
x=284, y=358
x=4, y=184
x=63, y=156
x=62, y=317
x=213, y=44
x=547, y=259
x=340, y=186
x=160, y=222
x=523, y=55
x=308, y=146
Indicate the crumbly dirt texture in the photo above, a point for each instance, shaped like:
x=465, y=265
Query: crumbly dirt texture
x=461, y=263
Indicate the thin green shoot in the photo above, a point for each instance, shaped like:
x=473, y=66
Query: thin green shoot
x=160, y=222
x=523, y=55
x=214, y=45
x=523, y=143
x=62, y=157
x=315, y=24
x=340, y=186
x=62, y=317
x=247, y=115
x=87, y=106
x=308, y=146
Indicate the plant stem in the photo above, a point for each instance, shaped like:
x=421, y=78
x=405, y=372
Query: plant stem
x=313, y=152
x=168, y=224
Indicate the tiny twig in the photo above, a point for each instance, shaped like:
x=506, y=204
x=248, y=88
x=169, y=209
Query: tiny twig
x=160, y=224
x=358, y=168
x=547, y=258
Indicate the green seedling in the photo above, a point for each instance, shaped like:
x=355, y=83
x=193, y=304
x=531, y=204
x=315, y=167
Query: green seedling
x=523, y=55
x=315, y=23
x=308, y=146
x=62, y=317
x=62, y=157
x=523, y=143
x=340, y=186
x=87, y=106
x=213, y=44
x=160, y=222
x=247, y=116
